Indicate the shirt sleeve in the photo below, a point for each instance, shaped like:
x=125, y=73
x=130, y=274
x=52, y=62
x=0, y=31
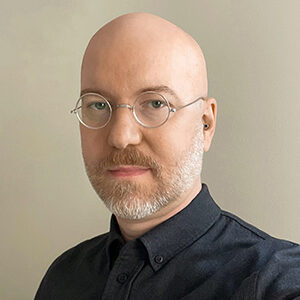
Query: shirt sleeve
x=48, y=283
x=279, y=279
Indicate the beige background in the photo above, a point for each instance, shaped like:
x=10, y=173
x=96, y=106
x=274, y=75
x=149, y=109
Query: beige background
x=47, y=204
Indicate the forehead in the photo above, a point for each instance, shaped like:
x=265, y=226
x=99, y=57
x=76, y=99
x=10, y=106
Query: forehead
x=124, y=69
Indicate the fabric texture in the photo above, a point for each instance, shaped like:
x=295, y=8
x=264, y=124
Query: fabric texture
x=201, y=252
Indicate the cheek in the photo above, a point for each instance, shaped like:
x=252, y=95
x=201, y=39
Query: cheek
x=181, y=134
x=169, y=145
x=92, y=144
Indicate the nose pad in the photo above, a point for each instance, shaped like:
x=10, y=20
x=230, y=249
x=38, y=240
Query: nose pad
x=124, y=129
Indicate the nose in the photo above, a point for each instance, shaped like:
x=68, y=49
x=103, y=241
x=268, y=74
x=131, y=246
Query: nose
x=123, y=129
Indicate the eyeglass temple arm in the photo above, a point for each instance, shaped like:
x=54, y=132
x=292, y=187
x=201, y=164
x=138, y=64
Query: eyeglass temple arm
x=180, y=107
x=74, y=110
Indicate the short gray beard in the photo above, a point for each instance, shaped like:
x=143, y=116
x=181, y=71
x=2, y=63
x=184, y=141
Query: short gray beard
x=133, y=201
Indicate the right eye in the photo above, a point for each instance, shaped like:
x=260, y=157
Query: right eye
x=98, y=105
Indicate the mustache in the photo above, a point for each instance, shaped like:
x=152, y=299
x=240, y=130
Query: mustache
x=129, y=156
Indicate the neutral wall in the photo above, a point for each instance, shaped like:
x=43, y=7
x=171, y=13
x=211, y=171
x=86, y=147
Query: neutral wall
x=47, y=204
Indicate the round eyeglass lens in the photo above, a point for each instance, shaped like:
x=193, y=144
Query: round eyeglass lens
x=151, y=109
x=94, y=110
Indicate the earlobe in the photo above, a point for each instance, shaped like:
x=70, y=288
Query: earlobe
x=209, y=121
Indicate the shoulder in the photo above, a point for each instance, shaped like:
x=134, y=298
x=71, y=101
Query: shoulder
x=68, y=264
x=276, y=271
x=242, y=225
x=279, y=278
x=80, y=250
x=242, y=228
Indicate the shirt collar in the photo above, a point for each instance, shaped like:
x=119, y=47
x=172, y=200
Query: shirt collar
x=173, y=235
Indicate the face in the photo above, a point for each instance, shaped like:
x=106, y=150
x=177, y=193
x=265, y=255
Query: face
x=171, y=155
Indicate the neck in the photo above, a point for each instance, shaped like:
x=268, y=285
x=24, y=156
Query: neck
x=132, y=229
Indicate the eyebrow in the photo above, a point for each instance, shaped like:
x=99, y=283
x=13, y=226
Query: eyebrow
x=157, y=88
x=97, y=91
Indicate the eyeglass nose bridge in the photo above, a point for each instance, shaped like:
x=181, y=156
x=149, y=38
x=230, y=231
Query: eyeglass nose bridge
x=124, y=105
x=130, y=107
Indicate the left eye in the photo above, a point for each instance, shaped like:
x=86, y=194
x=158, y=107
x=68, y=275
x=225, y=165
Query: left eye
x=98, y=105
x=154, y=104
x=157, y=103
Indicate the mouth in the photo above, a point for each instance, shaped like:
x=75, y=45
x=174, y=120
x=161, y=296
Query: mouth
x=127, y=171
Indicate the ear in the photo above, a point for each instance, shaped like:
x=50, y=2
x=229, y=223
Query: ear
x=209, y=117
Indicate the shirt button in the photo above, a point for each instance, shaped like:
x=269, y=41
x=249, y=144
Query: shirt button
x=158, y=259
x=122, y=277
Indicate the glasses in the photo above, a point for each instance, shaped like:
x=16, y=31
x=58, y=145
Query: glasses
x=150, y=109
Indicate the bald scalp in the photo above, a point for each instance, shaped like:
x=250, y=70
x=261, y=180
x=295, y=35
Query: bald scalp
x=140, y=40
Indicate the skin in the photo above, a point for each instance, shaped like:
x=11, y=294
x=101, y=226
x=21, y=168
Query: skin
x=131, y=53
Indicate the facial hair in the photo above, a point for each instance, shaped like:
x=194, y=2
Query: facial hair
x=133, y=200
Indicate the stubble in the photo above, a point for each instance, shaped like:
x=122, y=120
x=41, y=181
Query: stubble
x=131, y=199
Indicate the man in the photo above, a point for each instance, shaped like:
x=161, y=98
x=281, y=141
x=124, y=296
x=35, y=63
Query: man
x=145, y=121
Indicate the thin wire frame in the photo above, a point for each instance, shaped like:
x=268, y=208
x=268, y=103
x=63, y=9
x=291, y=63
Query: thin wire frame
x=132, y=108
x=77, y=108
x=136, y=117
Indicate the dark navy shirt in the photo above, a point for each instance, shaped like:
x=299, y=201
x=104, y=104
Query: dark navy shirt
x=201, y=252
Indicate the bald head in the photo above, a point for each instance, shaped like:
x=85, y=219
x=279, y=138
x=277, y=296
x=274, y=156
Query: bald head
x=137, y=50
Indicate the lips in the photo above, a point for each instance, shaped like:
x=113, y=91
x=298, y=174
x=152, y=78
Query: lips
x=127, y=171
